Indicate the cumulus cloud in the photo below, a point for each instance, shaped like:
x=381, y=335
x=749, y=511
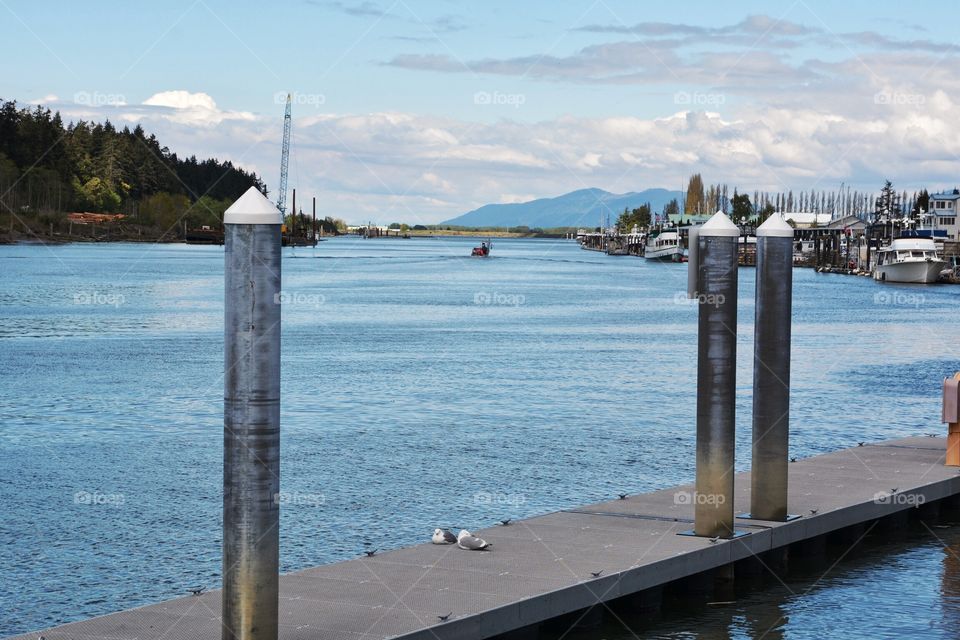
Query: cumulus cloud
x=192, y=108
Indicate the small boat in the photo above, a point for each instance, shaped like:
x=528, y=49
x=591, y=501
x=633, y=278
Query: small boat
x=483, y=250
x=909, y=260
x=664, y=245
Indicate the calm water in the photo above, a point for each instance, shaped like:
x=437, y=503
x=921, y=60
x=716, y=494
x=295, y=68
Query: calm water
x=421, y=389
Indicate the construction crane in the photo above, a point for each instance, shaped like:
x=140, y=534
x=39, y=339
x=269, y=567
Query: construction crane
x=284, y=160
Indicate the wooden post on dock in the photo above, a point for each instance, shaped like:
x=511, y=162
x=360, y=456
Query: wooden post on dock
x=251, y=419
x=717, y=254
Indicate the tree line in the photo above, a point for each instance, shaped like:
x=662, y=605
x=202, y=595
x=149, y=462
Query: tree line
x=703, y=200
x=840, y=203
x=48, y=168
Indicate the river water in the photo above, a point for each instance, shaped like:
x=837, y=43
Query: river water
x=421, y=388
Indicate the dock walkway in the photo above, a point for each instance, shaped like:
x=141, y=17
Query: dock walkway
x=542, y=567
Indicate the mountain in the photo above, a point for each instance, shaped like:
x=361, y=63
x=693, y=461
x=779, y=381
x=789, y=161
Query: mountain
x=581, y=208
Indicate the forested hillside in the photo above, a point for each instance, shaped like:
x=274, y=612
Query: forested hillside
x=49, y=168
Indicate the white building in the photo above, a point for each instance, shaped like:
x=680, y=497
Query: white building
x=943, y=208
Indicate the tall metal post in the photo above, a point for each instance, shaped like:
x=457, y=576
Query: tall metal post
x=251, y=419
x=771, y=370
x=716, y=376
x=693, y=262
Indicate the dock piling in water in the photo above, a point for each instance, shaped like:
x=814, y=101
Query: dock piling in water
x=771, y=370
x=716, y=296
x=693, y=261
x=251, y=420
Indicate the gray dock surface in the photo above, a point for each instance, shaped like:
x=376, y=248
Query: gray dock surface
x=541, y=568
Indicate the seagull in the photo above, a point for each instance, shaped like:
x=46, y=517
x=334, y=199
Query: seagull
x=623, y=496
x=793, y=459
x=596, y=574
x=443, y=536
x=467, y=540
x=196, y=590
x=371, y=553
x=445, y=618
x=859, y=444
x=715, y=540
x=813, y=512
x=506, y=522
x=894, y=490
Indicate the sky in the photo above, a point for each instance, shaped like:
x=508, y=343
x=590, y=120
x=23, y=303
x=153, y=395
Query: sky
x=415, y=111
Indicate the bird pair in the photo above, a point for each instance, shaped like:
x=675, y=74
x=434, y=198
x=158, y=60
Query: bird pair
x=464, y=540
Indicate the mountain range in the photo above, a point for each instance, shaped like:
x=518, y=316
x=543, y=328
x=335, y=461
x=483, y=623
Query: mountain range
x=581, y=208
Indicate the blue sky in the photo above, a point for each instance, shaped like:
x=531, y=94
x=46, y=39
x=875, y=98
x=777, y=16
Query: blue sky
x=422, y=110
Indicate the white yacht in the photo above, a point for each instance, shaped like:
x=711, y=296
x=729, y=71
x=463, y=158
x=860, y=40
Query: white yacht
x=663, y=246
x=909, y=260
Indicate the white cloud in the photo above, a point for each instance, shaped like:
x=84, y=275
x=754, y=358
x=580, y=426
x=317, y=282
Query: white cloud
x=192, y=108
x=47, y=99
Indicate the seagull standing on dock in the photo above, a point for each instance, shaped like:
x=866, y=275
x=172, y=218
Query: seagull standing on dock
x=470, y=542
x=443, y=536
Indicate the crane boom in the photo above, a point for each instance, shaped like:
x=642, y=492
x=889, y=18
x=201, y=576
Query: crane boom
x=284, y=160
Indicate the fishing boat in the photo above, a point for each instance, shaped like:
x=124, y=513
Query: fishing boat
x=909, y=260
x=664, y=246
x=483, y=250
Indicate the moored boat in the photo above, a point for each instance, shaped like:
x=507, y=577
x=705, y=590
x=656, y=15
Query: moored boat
x=912, y=260
x=664, y=246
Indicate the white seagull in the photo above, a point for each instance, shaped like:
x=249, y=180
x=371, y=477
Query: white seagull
x=443, y=536
x=467, y=540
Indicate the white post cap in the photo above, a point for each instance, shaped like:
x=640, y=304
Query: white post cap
x=775, y=227
x=252, y=208
x=719, y=225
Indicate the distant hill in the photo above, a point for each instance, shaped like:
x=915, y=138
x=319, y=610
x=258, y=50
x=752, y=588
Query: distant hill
x=581, y=208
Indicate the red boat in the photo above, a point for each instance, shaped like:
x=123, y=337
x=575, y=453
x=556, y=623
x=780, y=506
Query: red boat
x=483, y=250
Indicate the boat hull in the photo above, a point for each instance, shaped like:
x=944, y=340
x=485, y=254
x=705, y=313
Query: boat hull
x=666, y=254
x=915, y=272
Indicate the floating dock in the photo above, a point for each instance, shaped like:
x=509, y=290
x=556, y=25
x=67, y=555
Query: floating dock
x=566, y=562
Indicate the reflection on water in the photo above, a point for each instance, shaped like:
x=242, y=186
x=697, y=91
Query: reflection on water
x=883, y=588
x=549, y=376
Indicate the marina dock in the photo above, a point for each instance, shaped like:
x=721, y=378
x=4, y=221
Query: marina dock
x=618, y=552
